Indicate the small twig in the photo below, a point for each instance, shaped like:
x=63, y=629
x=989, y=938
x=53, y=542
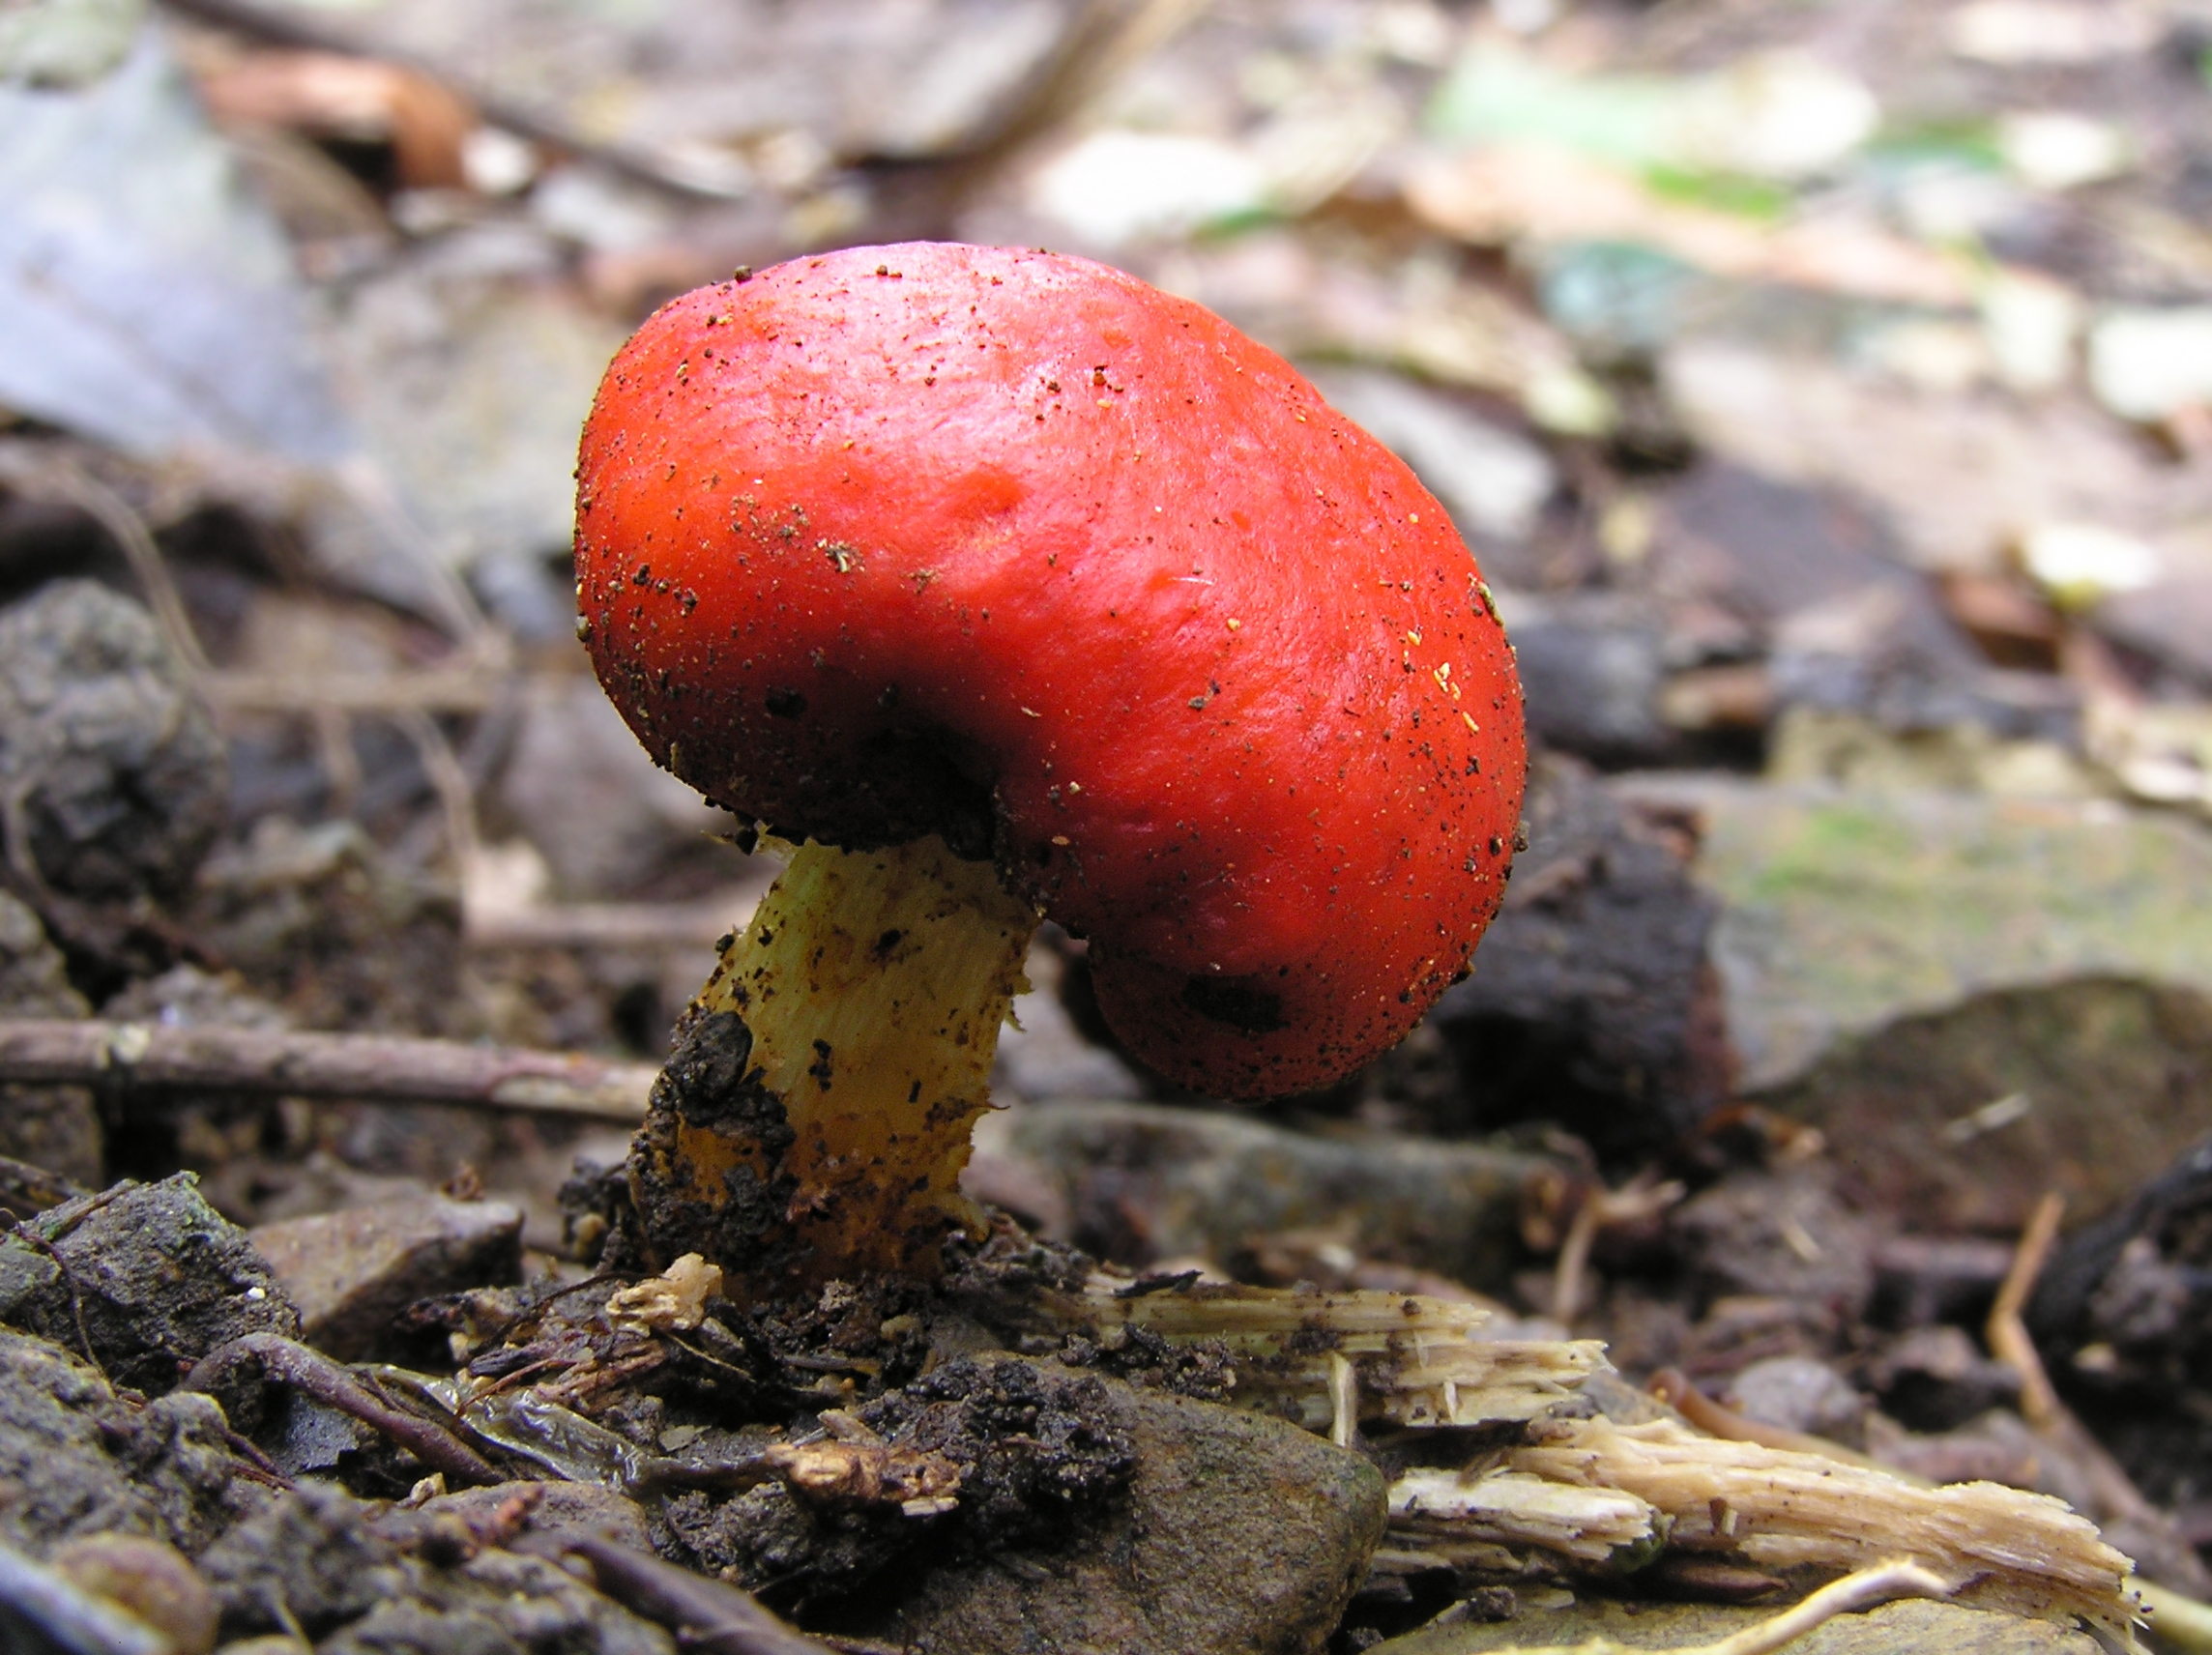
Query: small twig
x=40, y=1244
x=2176, y=1621
x=122, y=521
x=456, y=797
x=334, y=751
x=2007, y=1332
x=308, y=1370
x=470, y=688
x=2111, y=1493
x=305, y=34
x=1633, y=1202
x=707, y=1614
x=1864, y=1589
x=147, y=1060
x=1674, y=1388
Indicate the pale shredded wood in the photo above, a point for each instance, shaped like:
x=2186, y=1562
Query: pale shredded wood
x=1417, y=1361
x=2023, y=1553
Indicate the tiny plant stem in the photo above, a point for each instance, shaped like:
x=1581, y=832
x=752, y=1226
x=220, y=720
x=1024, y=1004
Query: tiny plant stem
x=1853, y=1592
x=2007, y=1332
x=870, y=987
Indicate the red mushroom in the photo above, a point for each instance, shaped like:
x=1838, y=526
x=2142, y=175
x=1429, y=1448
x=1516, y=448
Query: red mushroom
x=1012, y=556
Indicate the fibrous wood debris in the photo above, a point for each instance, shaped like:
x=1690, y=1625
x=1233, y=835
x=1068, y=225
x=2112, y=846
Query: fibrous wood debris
x=1582, y=1493
x=1415, y=1360
x=1591, y=1491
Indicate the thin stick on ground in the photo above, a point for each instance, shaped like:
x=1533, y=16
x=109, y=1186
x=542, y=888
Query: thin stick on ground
x=1674, y=1388
x=2177, y=1622
x=2111, y=1494
x=306, y=1369
x=2007, y=1333
x=707, y=1614
x=135, y=1060
x=1864, y=1589
x=1641, y=1199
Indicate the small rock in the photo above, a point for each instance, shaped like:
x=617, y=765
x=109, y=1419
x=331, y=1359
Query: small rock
x=1242, y=1535
x=1145, y=1182
x=53, y=1127
x=468, y=375
x=1796, y=1393
x=313, y=1560
x=351, y=1273
x=1591, y=1003
x=1592, y=665
x=1048, y=1056
x=1936, y=1379
x=215, y=1133
x=319, y=921
x=158, y=1277
x=186, y=997
x=574, y=746
x=1965, y=1118
x=34, y=978
x=149, y=1579
x=1784, y=1236
x=114, y=768
x=497, y=1603
x=1843, y=912
x=2170, y=621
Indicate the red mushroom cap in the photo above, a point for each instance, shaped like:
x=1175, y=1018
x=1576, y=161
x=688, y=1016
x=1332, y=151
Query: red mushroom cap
x=1012, y=547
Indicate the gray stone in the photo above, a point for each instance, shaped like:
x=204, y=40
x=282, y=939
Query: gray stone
x=1845, y=912
x=574, y=746
x=309, y=1557
x=1965, y=1117
x=111, y=770
x=34, y=982
x=1776, y=1236
x=1592, y=665
x=1957, y=476
x=186, y=997
x=351, y=1273
x=497, y=1603
x=1047, y=1055
x=158, y=1277
x=2170, y=621
x=1242, y=1536
x=53, y=1127
x=1143, y=1181
x=1908, y=1628
x=1798, y=1394
x=469, y=384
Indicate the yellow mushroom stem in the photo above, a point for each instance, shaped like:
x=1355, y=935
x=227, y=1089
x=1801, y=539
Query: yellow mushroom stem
x=814, y=1119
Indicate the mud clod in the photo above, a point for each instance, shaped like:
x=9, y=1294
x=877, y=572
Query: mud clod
x=145, y=1279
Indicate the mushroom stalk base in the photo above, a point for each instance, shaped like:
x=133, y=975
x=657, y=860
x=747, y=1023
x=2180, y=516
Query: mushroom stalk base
x=814, y=1119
